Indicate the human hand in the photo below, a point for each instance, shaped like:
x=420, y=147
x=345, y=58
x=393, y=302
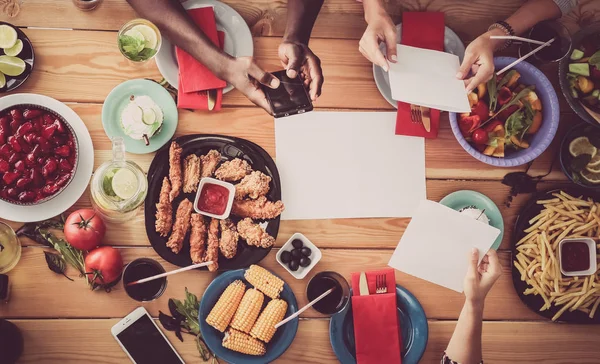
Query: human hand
x=380, y=28
x=245, y=75
x=479, y=60
x=298, y=59
x=480, y=279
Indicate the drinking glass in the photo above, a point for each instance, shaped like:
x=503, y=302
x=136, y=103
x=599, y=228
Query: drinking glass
x=144, y=268
x=335, y=301
x=11, y=342
x=10, y=248
x=142, y=34
x=543, y=32
x=87, y=5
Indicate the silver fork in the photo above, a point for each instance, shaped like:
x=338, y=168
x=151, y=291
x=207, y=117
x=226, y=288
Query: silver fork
x=380, y=284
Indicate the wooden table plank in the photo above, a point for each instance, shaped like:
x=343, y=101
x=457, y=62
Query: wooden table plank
x=33, y=282
x=61, y=341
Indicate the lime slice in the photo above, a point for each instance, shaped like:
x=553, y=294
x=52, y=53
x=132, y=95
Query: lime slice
x=2, y=80
x=11, y=66
x=595, y=161
x=149, y=35
x=580, y=146
x=125, y=183
x=591, y=177
x=8, y=36
x=135, y=34
x=14, y=50
x=149, y=117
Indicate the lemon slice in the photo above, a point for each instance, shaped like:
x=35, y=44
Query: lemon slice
x=595, y=161
x=149, y=117
x=14, y=50
x=148, y=33
x=11, y=66
x=125, y=183
x=2, y=80
x=580, y=146
x=8, y=36
x=593, y=169
x=591, y=177
x=135, y=34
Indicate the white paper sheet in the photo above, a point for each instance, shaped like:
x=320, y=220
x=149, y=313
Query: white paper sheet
x=348, y=164
x=428, y=78
x=436, y=245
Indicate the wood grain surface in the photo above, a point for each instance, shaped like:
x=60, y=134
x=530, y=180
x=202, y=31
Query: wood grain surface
x=64, y=322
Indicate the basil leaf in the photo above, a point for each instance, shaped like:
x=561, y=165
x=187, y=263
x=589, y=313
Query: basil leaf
x=174, y=312
x=580, y=162
x=506, y=78
x=56, y=264
x=520, y=182
x=168, y=322
x=493, y=93
x=202, y=349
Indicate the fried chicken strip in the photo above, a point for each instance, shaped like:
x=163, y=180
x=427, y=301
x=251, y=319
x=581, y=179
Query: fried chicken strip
x=197, y=238
x=175, y=170
x=254, y=185
x=181, y=226
x=257, y=209
x=254, y=234
x=229, y=239
x=191, y=173
x=209, y=163
x=212, y=248
x=233, y=170
x=164, y=210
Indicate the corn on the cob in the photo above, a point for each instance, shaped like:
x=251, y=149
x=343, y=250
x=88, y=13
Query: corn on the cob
x=264, y=281
x=248, y=310
x=264, y=328
x=222, y=312
x=243, y=343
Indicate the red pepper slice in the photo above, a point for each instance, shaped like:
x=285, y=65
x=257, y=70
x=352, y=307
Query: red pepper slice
x=468, y=123
x=504, y=95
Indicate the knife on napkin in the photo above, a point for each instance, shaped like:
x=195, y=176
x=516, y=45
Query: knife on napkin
x=363, y=287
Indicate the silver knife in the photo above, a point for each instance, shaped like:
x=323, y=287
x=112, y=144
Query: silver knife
x=363, y=287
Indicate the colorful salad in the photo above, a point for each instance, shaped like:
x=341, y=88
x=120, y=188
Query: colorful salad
x=584, y=72
x=504, y=115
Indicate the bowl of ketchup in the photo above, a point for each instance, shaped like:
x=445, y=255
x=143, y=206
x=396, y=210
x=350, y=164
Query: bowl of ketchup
x=214, y=198
x=577, y=256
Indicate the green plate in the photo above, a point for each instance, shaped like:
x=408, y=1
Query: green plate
x=118, y=98
x=461, y=199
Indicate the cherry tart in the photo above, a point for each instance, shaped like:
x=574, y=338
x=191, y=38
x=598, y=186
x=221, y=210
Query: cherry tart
x=38, y=154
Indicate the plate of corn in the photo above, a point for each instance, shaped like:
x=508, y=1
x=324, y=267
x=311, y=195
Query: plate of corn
x=238, y=313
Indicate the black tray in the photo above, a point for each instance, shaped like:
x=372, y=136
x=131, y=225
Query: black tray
x=27, y=55
x=530, y=210
x=230, y=148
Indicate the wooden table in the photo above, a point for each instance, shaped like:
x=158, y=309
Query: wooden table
x=77, y=62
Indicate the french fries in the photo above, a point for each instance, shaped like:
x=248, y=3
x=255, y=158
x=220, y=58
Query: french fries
x=562, y=216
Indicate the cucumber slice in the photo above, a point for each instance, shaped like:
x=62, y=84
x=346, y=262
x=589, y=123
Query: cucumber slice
x=576, y=55
x=596, y=93
x=582, y=69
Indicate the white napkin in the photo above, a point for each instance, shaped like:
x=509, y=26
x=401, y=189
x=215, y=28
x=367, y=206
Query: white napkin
x=436, y=244
x=428, y=78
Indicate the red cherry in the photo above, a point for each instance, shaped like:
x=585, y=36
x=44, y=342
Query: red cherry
x=36, y=177
x=50, y=189
x=20, y=166
x=22, y=182
x=63, y=151
x=30, y=114
x=59, y=126
x=64, y=165
x=49, y=167
x=5, y=150
x=62, y=180
x=14, y=125
x=14, y=143
x=16, y=114
x=30, y=159
x=10, y=177
x=48, y=131
x=14, y=158
x=48, y=119
x=26, y=196
x=5, y=122
x=12, y=192
x=24, y=129
x=4, y=166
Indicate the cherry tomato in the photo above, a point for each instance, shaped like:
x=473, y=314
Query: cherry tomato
x=480, y=136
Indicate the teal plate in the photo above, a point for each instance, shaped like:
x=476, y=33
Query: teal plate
x=118, y=98
x=461, y=199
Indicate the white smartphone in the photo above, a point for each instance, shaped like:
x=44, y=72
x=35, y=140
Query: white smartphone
x=143, y=341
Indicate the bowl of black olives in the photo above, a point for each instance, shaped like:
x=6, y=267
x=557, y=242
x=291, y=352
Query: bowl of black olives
x=298, y=255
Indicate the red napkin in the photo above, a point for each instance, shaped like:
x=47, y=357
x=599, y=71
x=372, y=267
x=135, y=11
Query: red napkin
x=199, y=100
x=376, y=332
x=423, y=30
x=193, y=75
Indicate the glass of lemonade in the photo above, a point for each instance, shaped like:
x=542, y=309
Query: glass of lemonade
x=10, y=248
x=139, y=40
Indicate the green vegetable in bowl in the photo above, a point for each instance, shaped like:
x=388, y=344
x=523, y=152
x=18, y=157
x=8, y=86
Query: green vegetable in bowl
x=576, y=55
x=582, y=69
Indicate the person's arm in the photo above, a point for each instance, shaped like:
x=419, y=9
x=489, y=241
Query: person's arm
x=465, y=344
x=479, y=55
x=380, y=28
x=296, y=57
x=174, y=22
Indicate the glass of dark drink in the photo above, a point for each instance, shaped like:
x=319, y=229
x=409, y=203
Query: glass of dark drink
x=333, y=302
x=144, y=268
x=543, y=32
x=11, y=342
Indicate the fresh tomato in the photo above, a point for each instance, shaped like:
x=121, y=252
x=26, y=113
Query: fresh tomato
x=504, y=95
x=468, y=123
x=103, y=265
x=480, y=136
x=489, y=127
x=507, y=112
x=84, y=229
x=481, y=109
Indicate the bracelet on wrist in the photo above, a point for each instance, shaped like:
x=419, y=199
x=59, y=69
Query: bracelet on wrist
x=506, y=28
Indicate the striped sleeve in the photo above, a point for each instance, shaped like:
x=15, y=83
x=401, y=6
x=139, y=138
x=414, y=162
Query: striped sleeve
x=566, y=6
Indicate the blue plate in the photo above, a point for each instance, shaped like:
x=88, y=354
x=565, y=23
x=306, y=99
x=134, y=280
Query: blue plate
x=461, y=199
x=278, y=345
x=412, y=320
x=118, y=98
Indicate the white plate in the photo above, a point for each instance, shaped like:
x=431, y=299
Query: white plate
x=238, y=39
x=452, y=44
x=85, y=163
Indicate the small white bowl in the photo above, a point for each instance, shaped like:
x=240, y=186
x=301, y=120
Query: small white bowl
x=230, y=187
x=593, y=260
x=315, y=255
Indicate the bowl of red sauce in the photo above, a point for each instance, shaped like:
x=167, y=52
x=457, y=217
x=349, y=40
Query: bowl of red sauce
x=214, y=198
x=577, y=256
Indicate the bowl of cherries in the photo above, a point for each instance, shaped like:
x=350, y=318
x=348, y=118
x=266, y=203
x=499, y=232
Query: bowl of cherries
x=298, y=256
x=38, y=154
